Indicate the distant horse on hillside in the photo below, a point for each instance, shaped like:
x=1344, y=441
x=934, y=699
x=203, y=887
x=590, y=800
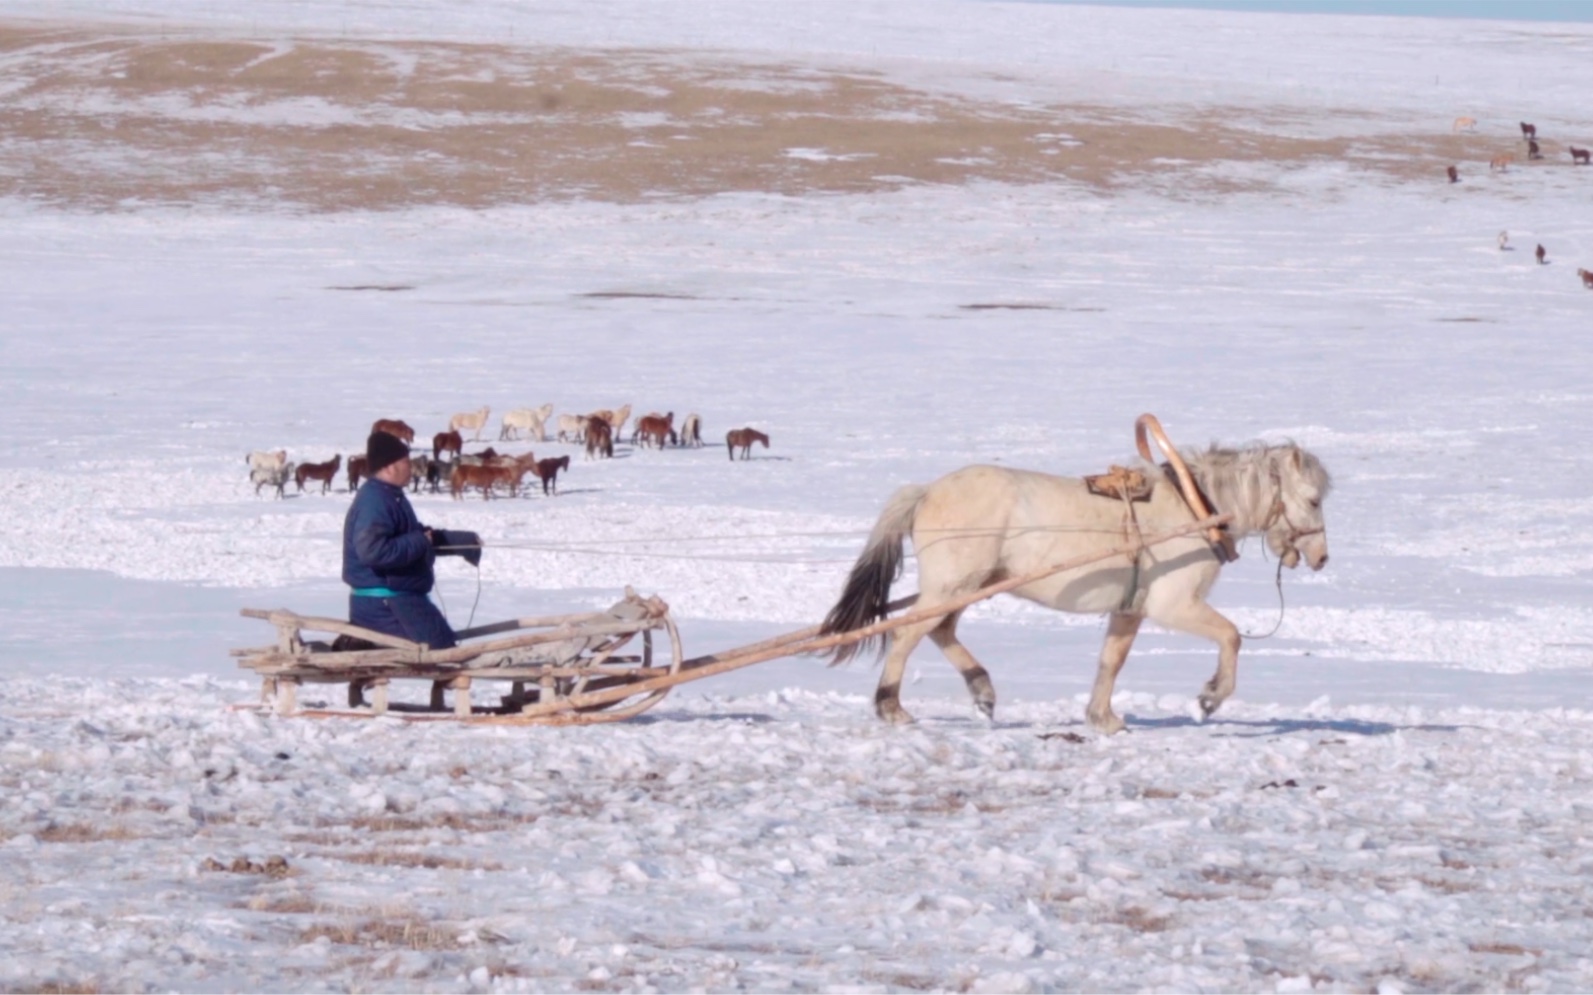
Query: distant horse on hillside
x=1500, y=163
x=1454, y=175
x=1463, y=124
x=984, y=522
x=1579, y=157
x=1587, y=278
x=743, y=438
x=1529, y=131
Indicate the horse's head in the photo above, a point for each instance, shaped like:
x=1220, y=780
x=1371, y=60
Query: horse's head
x=1295, y=527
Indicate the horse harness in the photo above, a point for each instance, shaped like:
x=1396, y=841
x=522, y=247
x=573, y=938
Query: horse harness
x=1131, y=487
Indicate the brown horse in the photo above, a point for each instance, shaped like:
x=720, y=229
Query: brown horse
x=599, y=439
x=447, y=442
x=1533, y=152
x=1542, y=254
x=1587, y=278
x=356, y=469
x=1529, y=131
x=548, y=471
x=1579, y=157
x=509, y=471
x=654, y=429
x=1454, y=175
x=743, y=438
x=324, y=472
x=393, y=426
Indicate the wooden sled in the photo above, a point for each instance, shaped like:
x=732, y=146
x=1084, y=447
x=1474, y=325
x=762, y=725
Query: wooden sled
x=548, y=658
x=583, y=678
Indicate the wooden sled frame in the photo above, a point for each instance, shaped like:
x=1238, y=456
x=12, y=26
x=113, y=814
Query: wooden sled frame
x=601, y=688
x=606, y=661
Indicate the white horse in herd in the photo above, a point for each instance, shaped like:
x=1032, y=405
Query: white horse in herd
x=981, y=524
x=531, y=421
x=471, y=421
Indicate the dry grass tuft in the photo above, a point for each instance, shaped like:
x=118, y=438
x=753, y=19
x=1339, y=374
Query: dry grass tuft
x=296, y=904
x=1139, y=920
x=407, y=858
x=409, y=934
x=1506, y=949
x=81, y=832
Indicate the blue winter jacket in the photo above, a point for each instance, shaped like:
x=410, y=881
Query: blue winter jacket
x=384, y=544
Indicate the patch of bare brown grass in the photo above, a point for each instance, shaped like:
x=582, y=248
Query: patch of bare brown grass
x=1139, y=920
x=108, y=116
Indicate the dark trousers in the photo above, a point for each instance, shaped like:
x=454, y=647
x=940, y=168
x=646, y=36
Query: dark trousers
x=408, y=616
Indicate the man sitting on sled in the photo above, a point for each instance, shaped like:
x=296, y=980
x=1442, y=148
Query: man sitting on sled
x=388, y=554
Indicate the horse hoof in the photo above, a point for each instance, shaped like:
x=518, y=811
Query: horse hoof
x=987, y=709
x=1209, y=704
x=1108, y=725
x=895, y=715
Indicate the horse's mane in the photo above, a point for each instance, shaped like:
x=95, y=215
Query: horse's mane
x=1238, y=480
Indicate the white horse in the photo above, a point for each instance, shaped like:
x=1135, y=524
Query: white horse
x=691, y=431
x=474, y=421
x=572, y=427
x=982, y=523
x=262, y=459
x=527, y=420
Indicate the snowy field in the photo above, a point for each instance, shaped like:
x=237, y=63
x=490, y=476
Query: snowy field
x=1397, y=798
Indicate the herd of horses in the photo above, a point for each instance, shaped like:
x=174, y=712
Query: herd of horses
x=488, y=471
x=1501, y=164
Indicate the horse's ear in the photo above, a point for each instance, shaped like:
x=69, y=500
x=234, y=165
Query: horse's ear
x=1297, y=458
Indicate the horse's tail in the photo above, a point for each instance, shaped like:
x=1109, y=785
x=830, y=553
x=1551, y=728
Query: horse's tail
x=868, y=588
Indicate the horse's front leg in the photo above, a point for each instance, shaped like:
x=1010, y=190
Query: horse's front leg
x=1200, y=619
x=973, y=672
x=1120, y=633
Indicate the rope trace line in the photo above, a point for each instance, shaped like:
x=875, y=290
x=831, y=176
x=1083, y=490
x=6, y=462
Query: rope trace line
x=596, y=547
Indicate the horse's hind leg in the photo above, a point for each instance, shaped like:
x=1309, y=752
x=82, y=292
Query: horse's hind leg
x=888, y=696
x=1200, y=619
x=1120, y=633
x=973, y=673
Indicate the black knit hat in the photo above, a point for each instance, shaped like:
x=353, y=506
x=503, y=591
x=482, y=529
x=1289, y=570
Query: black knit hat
x=382, y=449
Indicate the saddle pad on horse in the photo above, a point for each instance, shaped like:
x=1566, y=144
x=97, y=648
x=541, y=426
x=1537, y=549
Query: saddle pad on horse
x=1121, y=484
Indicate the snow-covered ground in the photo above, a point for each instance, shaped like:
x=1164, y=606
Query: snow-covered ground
x=1395, y=799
